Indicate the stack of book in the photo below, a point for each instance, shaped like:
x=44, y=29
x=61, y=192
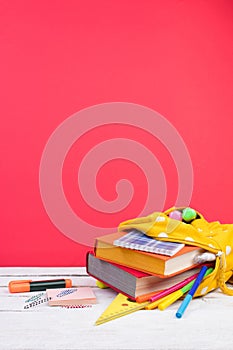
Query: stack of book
x=134, y=264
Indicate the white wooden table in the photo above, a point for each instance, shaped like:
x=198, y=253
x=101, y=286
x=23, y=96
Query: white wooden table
x=206, y=324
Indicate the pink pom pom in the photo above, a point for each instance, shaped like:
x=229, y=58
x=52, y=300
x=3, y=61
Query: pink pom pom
x=176, y=215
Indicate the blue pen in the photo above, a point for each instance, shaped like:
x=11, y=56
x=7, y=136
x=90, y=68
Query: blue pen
x=191, y=293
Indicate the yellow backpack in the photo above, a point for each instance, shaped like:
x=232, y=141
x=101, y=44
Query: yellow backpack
x=214, y=237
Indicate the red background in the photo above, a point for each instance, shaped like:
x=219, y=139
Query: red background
x=58, y=57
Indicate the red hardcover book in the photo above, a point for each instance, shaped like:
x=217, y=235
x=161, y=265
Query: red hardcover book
x=130, y=282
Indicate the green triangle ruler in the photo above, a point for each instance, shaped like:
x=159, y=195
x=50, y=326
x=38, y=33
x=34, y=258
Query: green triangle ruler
x=120, y=306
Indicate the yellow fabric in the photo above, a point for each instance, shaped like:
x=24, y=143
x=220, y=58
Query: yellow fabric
x=212, y=236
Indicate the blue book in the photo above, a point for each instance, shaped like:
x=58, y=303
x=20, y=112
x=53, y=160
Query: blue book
x=137, y=240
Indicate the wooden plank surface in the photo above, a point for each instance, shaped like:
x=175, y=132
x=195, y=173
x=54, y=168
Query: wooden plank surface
x=207, y=323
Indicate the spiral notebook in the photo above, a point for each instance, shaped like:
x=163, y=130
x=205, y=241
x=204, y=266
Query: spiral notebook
x=139, y=241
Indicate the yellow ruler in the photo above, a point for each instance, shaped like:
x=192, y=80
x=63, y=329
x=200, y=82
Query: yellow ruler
x=120, y=306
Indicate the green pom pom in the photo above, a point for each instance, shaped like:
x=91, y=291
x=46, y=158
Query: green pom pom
x=189, y=214
x=101, y=285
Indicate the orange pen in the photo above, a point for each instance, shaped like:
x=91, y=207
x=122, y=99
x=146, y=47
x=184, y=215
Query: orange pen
x=30, y=286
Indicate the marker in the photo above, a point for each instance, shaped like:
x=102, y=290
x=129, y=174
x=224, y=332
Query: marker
x=152, y=306
x=146, y=297
x=191, y=293
x=171, y=298
x=173, y=288
x=30, y=286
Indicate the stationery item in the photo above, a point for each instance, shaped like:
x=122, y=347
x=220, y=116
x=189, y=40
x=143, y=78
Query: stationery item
x=145, y=297
x=36, y=300
x=173, y=288
x=138, y=240
x=171, y=298
x=161, y=300
x=119, y=307
x=84, y=306
x=129, y=281
x=152, y=306
x=101, y=285
x=33, y=286
x=71, y=296
x=191, y=293
x=150, y=263
x=35, y=297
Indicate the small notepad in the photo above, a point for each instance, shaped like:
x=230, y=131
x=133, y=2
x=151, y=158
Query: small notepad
x=71, y=296
x=139, y=241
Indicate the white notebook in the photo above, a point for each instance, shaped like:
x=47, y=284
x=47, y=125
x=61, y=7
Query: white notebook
x=139, y=241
